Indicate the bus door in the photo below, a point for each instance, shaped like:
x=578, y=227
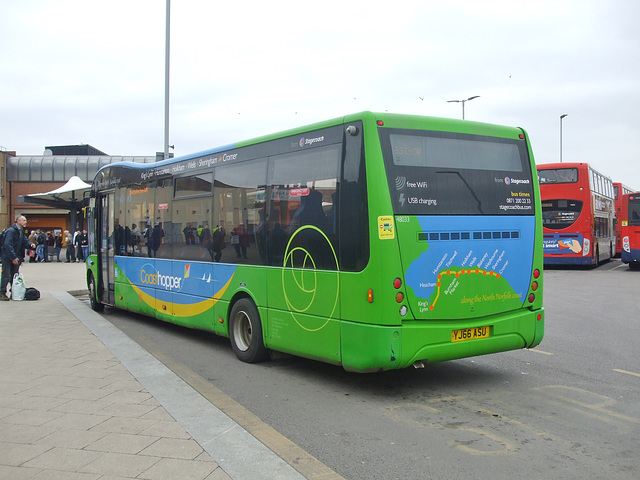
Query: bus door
x=105, y=251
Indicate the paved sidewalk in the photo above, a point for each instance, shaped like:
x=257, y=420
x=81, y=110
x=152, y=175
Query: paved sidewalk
x=80, y=400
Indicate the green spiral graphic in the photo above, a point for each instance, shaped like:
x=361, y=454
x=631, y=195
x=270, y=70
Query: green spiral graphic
x=305, y=279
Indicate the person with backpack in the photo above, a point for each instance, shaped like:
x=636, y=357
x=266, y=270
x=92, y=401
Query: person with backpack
x=12, y=253
x=40, y=241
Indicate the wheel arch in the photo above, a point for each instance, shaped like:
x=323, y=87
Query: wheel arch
x=239, y=295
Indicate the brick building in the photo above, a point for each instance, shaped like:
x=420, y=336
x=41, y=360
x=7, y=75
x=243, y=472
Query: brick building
x=29, y=174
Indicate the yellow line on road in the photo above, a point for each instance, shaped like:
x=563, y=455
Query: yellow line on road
x=535, y=350
x=628, y=373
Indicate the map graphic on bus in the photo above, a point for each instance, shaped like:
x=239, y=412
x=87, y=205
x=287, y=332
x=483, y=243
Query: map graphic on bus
x=478, y=262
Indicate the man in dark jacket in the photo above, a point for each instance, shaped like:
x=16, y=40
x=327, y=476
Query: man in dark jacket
x=12, y=253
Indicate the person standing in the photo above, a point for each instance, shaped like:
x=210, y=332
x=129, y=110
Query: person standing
x=71, y=256
x=84, y=244
x=33, y=257
x=218, y=242
x=77, y=244
x=58, y=244
x=40, y=242
x=156, y=236
x=49, y=247
x=12, y=253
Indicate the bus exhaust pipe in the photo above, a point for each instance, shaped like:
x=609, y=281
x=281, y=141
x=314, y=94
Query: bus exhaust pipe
x=418, y=364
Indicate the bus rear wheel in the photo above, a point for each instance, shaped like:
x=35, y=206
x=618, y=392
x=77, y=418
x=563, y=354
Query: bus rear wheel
x=95, y=304
x=245, y=332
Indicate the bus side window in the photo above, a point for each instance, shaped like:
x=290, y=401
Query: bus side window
x=239, y=212
x=302, y=191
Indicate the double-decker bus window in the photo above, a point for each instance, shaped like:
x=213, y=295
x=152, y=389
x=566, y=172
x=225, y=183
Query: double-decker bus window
x=558, y=175
x=558, y=214
x=634, y=211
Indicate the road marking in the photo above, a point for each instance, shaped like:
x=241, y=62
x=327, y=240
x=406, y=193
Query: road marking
x=628, y=373
x=563, y=392
x=535, y=350
x=619, y=266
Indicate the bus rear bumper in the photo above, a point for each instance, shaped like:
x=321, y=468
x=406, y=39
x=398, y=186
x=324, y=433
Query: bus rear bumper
x=564, y=260
x=632, y=257
x=414, y=341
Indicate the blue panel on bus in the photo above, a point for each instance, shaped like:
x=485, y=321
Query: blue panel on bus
x=201, y=279
x=500, y=244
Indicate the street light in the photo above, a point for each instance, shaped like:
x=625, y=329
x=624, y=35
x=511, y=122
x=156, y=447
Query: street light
x=561, y=117
x=166, y=78
x=463, y=102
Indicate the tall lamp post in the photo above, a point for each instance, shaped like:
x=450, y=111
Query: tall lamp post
x=166, y=80
x=463, y=102
x=561, y=118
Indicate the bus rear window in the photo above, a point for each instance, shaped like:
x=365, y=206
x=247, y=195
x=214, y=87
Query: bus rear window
x=558, y=175
x=458, y=153
x=634, y=210
x=443, y=173
x=561, y=213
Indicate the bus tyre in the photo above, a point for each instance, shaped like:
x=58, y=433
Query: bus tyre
x=245, y=332
x=95, y=304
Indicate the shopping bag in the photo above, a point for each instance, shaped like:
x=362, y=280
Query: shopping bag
x=18, y=289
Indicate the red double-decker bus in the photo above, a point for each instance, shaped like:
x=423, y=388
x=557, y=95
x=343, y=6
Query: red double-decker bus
x=578, y=215
x=630, y=224
x=619, y=190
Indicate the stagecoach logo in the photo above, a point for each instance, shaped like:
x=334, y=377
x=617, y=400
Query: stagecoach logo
x=516, y=181
x=310, y=141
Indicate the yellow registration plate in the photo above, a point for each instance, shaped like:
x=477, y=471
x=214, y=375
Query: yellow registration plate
x=469, y=334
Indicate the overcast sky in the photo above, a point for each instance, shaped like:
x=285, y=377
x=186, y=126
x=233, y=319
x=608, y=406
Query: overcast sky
x=88, y=71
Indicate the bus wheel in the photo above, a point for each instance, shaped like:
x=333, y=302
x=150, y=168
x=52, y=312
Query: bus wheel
x=245, y=332
x=95, y=304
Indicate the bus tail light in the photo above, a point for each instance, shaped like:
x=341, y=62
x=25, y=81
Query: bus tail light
x=534, y=286
x=531, y=298
x=536, y=273
x=399, y=297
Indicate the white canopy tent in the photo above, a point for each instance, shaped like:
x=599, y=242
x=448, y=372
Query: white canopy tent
x=69, y=196
x=70, y=193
